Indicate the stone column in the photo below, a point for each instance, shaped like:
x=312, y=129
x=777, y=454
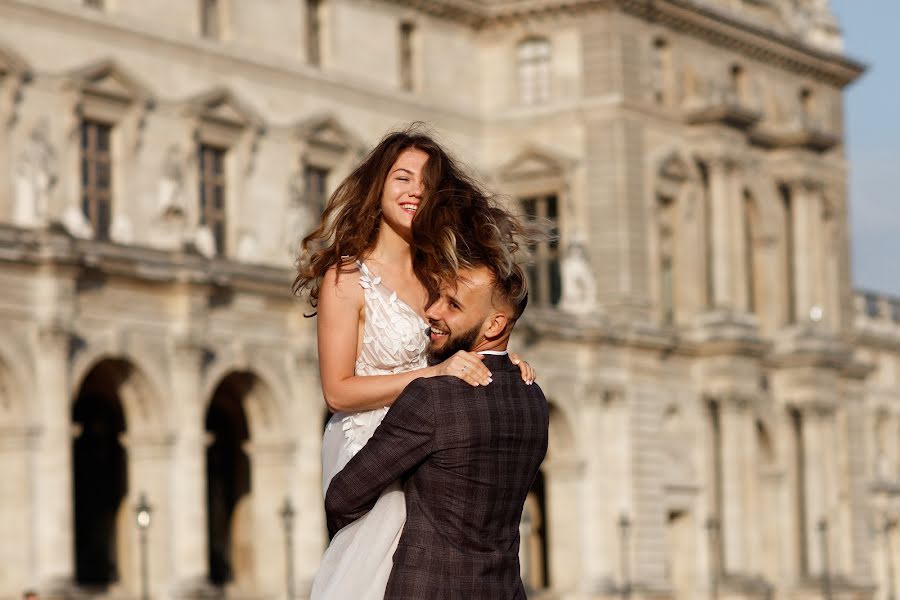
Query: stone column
x=149, y=461
x=817, y=493
x=189, y=550
x=16, y=548
x=606, y=486
x=807, y=210
x=722, y=223
x=52, y=465
x=734, y=520
x=307, y=410
x=562, y=479
x=270, y=462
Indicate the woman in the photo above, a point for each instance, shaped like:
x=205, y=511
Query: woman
x=357, y=267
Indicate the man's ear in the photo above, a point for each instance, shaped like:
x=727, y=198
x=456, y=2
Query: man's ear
x=496, y=325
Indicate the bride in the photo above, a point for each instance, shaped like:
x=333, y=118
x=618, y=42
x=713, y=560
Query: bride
x=357, y=267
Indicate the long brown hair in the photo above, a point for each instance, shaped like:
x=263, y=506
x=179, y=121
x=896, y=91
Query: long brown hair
x=463, y=227
x=352, y=218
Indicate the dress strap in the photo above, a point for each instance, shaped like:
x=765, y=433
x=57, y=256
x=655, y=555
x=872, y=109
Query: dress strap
x=366, y=280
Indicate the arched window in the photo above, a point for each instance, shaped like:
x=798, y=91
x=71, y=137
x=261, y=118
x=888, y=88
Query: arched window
x=534, y=57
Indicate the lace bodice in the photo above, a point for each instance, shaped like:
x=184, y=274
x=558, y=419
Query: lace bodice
x=394, y=337
x=394, y=341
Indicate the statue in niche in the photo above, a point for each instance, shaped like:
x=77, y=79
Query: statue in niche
x=205, y=241
x=35, y=177
x=579, y=288
x=170, y=198
x=74, y=221
x=247, y=247
x=171, y=209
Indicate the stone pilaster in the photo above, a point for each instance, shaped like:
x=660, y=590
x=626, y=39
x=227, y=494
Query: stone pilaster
x=735, y=520
x=149, y=461
x=53, y=506
x=806, y=202
x=16, y=547
x=189, y=516
x=270, y=462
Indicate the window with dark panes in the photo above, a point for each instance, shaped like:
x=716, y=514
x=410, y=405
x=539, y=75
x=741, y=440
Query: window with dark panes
x=96, y=176
x=211, y=161
x=316, y=181
x=94, y=3
x=544, y=273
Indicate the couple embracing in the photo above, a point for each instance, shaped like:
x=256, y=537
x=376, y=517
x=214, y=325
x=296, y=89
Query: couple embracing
x=437, y=432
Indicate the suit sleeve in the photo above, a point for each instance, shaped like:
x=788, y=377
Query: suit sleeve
x=402, y=441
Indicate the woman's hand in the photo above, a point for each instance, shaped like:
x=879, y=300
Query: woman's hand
x=527, y=371
x=466, y=366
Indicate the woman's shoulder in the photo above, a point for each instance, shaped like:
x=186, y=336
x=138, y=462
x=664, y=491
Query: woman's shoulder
x=343, y=281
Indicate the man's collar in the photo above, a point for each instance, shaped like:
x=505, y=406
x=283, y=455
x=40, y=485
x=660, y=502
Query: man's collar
x=494, y=352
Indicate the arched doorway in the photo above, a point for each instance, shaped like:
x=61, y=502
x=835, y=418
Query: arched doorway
x=100, y=475
x=228, y=482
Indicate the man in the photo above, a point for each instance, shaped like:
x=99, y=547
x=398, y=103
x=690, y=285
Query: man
x=468, y=455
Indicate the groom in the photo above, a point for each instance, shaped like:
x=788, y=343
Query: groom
x=467, y=455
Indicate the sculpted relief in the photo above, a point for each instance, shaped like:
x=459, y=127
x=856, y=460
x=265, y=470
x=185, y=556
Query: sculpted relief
x=36, y=174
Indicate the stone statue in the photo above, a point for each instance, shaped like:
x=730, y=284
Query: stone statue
x=579, y=288
x=170, y=199
x=205, y=241
x=35, y=177
x=247, y=247
x=74, y=221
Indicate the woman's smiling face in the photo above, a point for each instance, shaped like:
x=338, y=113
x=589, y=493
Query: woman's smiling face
x=403, y=190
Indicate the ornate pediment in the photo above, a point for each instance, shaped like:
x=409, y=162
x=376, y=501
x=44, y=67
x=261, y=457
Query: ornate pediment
x=220, y=105
x=536, y=163
x=327, y=132
x=108, y=79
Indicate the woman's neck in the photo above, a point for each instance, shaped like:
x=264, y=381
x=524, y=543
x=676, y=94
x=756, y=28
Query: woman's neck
x=391, y=248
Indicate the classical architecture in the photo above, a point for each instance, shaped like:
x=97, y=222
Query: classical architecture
x=725, y=409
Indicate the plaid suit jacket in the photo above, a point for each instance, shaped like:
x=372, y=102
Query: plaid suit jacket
x=468, y=457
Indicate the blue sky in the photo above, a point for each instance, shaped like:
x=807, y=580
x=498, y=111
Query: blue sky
x=873, y=140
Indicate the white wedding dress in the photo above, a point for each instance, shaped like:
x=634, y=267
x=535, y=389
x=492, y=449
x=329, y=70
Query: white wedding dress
x=359, y=559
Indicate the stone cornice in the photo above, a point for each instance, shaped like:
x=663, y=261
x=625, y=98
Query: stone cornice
x=715, y=26
x=105, y=260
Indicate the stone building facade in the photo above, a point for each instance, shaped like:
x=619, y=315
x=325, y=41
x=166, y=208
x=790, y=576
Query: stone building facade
x=725, y=411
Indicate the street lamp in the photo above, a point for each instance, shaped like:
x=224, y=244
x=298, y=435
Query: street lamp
x=712, y=531
x=287, y=517
x=826, y=567
x=525, y=526
x=889, y=525
x=143, y=516
x=624, y=527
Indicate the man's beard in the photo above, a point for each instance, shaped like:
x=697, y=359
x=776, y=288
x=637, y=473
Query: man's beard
x=464, y=341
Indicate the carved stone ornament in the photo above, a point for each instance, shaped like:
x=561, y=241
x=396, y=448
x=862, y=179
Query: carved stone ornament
x=74, y=221
x=205, y=241
x=579, y=288
x=34, y=179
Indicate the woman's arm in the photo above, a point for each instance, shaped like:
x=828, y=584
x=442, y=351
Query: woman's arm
x=340, y=316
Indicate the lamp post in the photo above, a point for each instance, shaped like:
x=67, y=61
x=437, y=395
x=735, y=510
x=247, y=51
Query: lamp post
x=712, y=533
x=143, y=515
x=287, y=518
x=525, y=527
x=826, y=567
x=889, y=525
x=624, y=528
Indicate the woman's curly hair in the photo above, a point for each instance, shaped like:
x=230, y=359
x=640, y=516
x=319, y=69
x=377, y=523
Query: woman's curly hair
x=349, y=226
x=465, y=228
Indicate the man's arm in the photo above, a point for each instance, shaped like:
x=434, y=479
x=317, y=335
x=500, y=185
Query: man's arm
x=402, y=441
